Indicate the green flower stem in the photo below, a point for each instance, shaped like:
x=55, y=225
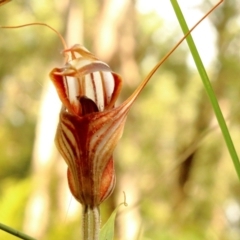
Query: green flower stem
x=91, y=223
x=15, y=232
x=208, y=87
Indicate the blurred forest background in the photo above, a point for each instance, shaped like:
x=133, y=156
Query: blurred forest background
x=171, y=162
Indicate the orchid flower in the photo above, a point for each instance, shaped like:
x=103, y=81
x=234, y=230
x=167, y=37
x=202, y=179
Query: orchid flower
x=90, y=125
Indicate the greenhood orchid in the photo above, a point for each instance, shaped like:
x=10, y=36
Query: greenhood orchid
x=90, y=125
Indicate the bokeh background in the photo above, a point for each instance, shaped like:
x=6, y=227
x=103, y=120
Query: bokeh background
x=171, y=162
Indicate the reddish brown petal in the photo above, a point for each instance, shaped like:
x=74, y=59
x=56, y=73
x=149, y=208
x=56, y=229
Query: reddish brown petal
x=108, y=181
x=61, y=88
x=87, y=143
x=103, y=87
x=4, y=1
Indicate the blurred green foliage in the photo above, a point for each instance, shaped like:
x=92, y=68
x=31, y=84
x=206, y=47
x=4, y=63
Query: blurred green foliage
x=177, y=195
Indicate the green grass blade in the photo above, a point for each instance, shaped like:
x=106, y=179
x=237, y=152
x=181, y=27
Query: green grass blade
x=15, y=232
x=208, y=87
x=107, y=231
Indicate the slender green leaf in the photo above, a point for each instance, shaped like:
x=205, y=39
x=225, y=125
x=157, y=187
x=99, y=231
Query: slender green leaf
x=208, y=87
x=107, y=231
x=15, y=232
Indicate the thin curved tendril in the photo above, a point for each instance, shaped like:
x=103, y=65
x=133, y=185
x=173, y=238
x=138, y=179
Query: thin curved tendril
x=46, y=25
x=142, y=85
